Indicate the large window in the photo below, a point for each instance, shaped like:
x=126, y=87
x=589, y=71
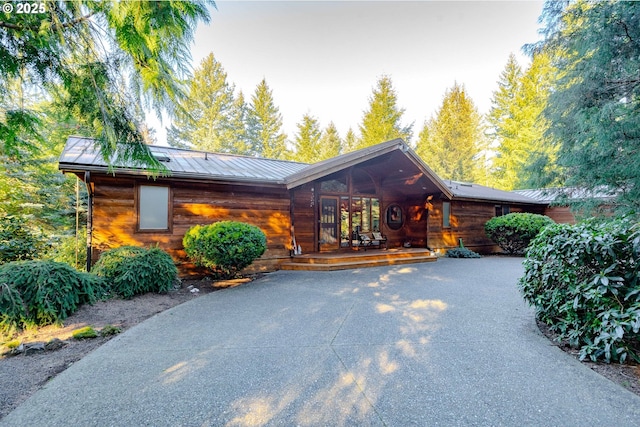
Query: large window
x=153, y=207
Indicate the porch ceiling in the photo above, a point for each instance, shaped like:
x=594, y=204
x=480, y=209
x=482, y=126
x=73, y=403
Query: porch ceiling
x=401, y=175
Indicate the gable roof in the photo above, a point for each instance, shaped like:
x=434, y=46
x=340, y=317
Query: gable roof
x=343, y=161
x=82, y=154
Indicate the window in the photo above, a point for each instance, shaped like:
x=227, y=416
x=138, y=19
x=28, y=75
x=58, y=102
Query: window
x=446, y=214
x=153, y=207
x=502, y=210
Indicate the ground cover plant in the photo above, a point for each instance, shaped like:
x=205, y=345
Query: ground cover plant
x=225, y=247
x=132, y=270
x=513, y=232
x=584, y=282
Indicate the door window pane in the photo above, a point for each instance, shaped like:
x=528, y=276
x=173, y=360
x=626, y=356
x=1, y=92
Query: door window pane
x=154, y=207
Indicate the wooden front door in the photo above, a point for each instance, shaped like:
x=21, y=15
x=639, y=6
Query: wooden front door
x=329, y=237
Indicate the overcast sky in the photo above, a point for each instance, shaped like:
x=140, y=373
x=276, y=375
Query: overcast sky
x=324, y=58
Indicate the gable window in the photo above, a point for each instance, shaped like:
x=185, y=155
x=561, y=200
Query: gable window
x=153, y=207
x=502, y=210
x=446, y=214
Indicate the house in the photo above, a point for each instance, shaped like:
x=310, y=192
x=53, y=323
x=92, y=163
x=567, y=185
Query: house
x=302, y=208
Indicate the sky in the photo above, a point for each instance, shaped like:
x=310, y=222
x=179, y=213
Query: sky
x=325, y=58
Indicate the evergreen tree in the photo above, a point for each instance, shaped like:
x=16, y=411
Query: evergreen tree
x=451, y=143
x=264, y=124
x=518, y=126
x=351, y=142
x=382, y=121
x=102, y=61
x=595, y=106
x=206, y=119
x=307, y=141
x=330, y=143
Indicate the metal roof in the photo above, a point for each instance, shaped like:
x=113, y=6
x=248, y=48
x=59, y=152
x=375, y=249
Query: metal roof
x=463, y=190
x=83, y=154
x=562, y=194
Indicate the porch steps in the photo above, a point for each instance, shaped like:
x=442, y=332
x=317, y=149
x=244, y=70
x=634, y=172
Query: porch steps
x=360, y=259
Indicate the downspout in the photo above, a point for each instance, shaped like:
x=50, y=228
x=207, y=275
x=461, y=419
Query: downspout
x=87, y=182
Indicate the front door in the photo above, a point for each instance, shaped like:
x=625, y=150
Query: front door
x=329, y=217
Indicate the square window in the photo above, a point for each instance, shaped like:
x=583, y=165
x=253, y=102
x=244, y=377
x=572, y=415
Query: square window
x=153, y=205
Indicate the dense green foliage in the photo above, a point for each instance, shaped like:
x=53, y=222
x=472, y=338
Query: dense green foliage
x=462, y=252
x=100, y=62
x=594, y=108
x=17, y=241
x=382, y=120
x=132, y=270
x=584, y=282
x=452, y=141
x=43, y=292
x=225, y=247
x=514, y=232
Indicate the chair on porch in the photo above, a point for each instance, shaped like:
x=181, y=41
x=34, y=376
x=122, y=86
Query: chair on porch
x=369, y=239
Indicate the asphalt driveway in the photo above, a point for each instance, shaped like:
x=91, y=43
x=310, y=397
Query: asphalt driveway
x=445, y=343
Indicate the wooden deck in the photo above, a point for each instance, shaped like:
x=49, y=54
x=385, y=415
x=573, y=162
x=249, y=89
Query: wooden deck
x=357, y=259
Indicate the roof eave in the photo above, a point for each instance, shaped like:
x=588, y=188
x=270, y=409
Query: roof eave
x=136, y=173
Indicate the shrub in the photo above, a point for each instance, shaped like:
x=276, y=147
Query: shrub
x=514, y=232
x=43, y=292
x=131, y=270
x=64, y=250
x=461, y=253
x=584, y=282
x=84, y=333
x=17, y=242
x=225, y=247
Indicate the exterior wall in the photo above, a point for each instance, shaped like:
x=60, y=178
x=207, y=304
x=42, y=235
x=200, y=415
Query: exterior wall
x=115, y=217
x=560, y=214
x=467, y=223
x=304, y=217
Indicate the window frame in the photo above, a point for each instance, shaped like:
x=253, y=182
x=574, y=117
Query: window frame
x=138, y=205
x=446, y=214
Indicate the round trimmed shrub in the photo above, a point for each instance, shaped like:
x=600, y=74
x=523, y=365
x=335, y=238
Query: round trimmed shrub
x=514, y=232
x=225, y=247
x=43, y=292
x=132, y=270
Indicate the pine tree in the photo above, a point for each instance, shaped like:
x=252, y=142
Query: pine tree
x=351, y=142
x=264, y=124
x=451, y=142
x=205, y=121
x=382, y=121
x=330, y=143
x=518, y=126
x=307, y=140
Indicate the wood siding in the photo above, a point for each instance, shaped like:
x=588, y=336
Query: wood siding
x=115, y=217
x=304, y=217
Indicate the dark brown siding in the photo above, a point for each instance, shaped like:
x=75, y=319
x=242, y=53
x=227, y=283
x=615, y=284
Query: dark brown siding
x=115, y=217
x=467, y=223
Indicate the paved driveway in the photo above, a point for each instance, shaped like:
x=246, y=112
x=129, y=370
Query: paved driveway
x=446, y=343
